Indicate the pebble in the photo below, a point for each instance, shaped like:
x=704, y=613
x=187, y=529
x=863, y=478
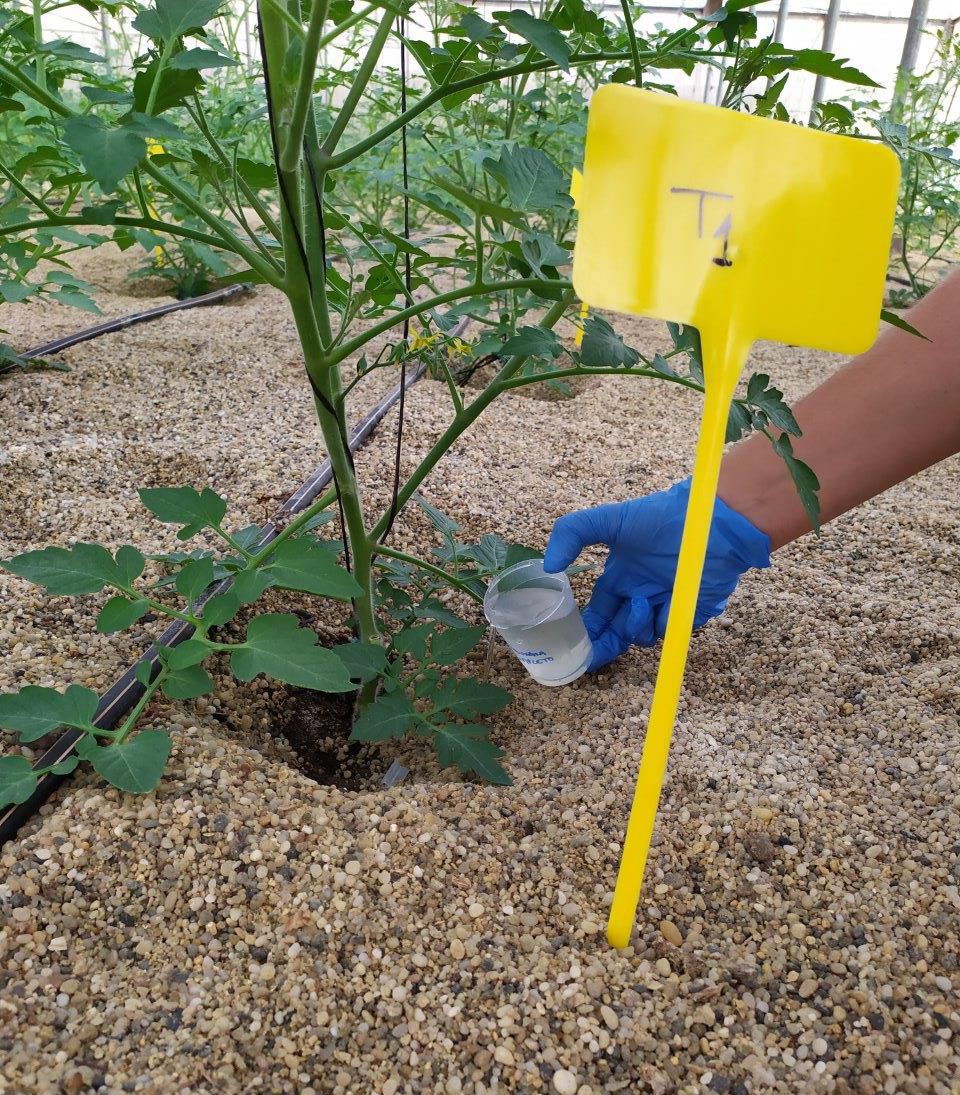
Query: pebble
x=807, y=988
x=662, y=967
x=475, y=910
x=609, y=1016
x=671, y=932
x=457, y=950
x=565, y=1082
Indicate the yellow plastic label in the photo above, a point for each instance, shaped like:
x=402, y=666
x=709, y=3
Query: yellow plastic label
x=745, y=228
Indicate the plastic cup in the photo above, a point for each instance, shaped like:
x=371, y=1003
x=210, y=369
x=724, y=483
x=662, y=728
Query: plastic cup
x=537, y=617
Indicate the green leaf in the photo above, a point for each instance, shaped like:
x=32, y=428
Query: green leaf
x=202, y=58
x=432, y=609
x=541, y=250
x=171, y=18
x=120, y=612
x=413, y=641
x=440, y=521
x=152, y=128
x=455, y=643
x=34, y=711
x=188, y=653
x=134, y=765
x=17, y=781
x=276, y=645
x=539, y=33
x=174, y=86
x=818, y=62
x=66, y=766
x=130, y=563
x=193, y=578
x=222, y=608
x=107, y=153
x=467, y=697
x=533, y=182
x=185, y=506
x=104, y=95
x=364, y=661
x=389, y=716
x=186, y=683
x=83, y=568
x=250, y=584
x=532, y=342
x=762, y=395
x=661, y=365
x=603, y=346
x=300, y=564
x=739, y=423
x=490, y=554
x=468, y=748
x=894, y=320
x=803, y=478
x=477, y=29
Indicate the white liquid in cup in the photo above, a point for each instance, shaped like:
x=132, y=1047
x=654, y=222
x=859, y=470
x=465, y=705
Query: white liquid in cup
x=540, y=623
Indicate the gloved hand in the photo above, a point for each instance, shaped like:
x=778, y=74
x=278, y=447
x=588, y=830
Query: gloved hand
x=631, y=599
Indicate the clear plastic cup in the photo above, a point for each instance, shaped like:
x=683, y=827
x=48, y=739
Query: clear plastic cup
x=537, y=617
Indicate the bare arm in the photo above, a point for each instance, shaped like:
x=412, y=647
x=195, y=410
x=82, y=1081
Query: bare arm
x=884, y=416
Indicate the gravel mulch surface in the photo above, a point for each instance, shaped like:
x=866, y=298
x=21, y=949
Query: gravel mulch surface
x=244, y=929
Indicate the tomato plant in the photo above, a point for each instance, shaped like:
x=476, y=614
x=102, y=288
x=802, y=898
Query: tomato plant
x=374, y=199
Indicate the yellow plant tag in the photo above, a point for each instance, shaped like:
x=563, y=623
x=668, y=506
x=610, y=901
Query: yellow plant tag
x=745, y=228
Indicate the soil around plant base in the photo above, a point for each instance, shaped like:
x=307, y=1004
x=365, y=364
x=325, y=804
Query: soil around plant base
x=317, y=727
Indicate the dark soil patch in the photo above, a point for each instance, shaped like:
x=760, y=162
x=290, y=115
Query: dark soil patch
x=317, y=727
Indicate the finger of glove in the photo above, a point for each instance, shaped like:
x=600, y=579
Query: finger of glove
x=632, y=626
x=575, y=531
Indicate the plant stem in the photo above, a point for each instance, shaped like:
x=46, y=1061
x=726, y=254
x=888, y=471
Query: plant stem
x=290, y=154
x=634, y=51
x=161, y=65
x=131, y=720
x=37, y=13
x=323, y=502
x=360, y=81
x=131, y=222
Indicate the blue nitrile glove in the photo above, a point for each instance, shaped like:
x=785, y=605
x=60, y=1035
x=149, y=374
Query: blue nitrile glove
x=631, y=599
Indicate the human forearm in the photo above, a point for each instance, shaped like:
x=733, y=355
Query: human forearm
x=884, y=416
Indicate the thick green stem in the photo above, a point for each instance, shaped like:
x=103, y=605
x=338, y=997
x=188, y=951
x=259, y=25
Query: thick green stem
x=304, y=285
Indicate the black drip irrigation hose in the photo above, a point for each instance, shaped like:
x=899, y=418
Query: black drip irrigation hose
x=133, y=319
x=124, y=693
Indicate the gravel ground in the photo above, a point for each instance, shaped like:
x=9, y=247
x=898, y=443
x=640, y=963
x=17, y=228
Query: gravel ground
x=244, y=929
